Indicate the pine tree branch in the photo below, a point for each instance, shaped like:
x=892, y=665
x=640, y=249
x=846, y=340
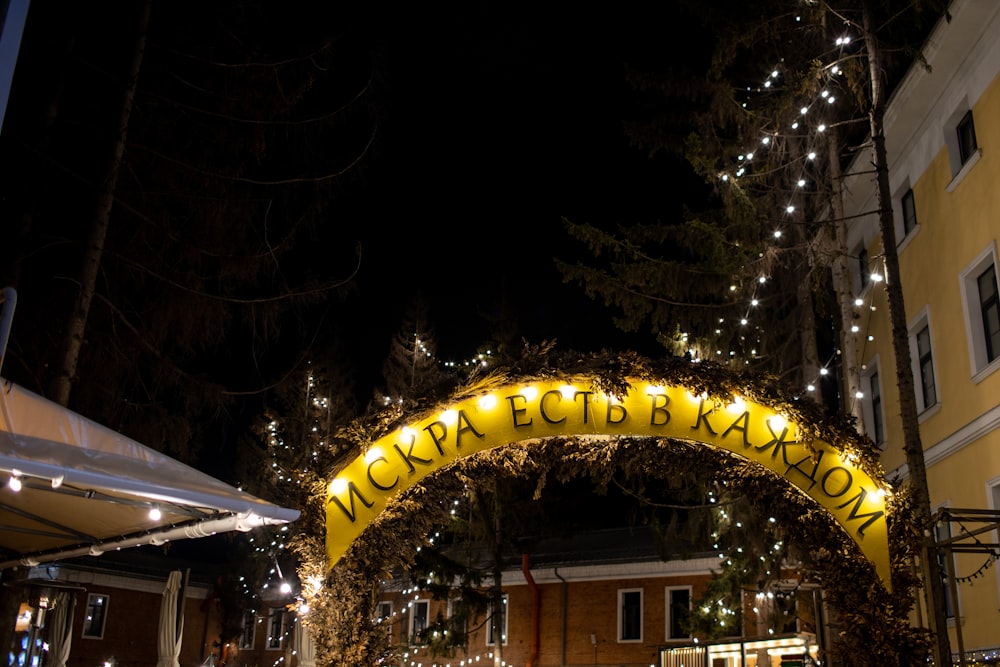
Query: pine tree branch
x=253, y=181
x=256, y=121
x=312, y=291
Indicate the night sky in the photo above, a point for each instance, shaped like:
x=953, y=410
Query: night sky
x=501, y=121
x=495, y=121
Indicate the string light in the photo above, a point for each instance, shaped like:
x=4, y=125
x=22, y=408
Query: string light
x=825, y=91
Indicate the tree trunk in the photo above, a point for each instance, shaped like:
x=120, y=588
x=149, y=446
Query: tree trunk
x=62, y=382
x=840, y=274
x=912, y=446
x=807, y=332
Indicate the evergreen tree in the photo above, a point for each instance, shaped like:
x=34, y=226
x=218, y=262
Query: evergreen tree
x=785, y=78
x=218, y=260
x=412, y=368
x=193, y=159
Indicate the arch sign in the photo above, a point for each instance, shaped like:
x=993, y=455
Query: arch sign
x=544, y=409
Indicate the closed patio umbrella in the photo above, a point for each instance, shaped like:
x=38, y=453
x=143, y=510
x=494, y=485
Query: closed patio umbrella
x=304, y=646
x=171, y=622
x=61, y=629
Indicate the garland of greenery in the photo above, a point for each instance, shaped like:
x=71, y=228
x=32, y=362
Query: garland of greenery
x=873, y=623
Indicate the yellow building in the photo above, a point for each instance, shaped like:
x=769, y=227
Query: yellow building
x=943, y=139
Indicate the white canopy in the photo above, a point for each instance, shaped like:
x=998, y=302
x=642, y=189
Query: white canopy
x=86, y=489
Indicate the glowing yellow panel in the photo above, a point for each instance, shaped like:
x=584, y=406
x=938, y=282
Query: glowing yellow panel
x=545, y=409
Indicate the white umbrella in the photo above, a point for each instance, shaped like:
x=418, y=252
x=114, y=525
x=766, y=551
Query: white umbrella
x=61, y=629
x=171, y=623
x=304, y=645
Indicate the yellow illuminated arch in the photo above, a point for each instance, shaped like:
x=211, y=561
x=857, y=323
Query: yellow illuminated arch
x=544, y=409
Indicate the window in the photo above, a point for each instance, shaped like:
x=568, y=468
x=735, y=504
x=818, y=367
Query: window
x=981, y=301
x=275, y=628
x=923, y=363
x=994, y=493
x=786, y=612
x=630, y=615
x=942, y=532
x=678, y=612
x=420, y=612
x=249, y=626
x=97, y=613
x=989, y=305
x=871, y=389
x=458, y=616
x=963, y=147
x=501, y=622
x=876, y=399
x=385, y=616
x=967, y=145
x=863, y=270
x=909, y=212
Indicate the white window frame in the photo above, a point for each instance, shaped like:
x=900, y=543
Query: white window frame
x=899, y=221
x=916, y=326
x=489, y=621
x=385, y=616
x=979, y=364
x=955, y=613
x=87, y=626
x=245, y=641
x=412, y=631
x=861, y=280
x=959, y=169
x=993, y=499
x=622, y=592
x=668, y=607
x=873, y=367
x=275, y=643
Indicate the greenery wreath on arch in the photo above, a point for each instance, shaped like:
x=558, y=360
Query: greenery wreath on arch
x=873, y=622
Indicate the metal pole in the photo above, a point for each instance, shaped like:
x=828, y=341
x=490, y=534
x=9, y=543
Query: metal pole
x=7, y=304
x=953, y=592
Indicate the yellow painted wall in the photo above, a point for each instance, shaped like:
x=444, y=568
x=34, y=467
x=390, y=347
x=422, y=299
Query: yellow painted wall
x=954, y=228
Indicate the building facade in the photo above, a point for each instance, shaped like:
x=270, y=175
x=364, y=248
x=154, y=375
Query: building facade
x=116, y=618
x=588, y=609
x=942, y=129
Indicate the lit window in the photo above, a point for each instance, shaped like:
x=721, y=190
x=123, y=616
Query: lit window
x=97, y=613
x=630, y=615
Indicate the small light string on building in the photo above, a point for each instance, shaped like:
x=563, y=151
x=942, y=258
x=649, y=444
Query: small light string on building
x=993, y=556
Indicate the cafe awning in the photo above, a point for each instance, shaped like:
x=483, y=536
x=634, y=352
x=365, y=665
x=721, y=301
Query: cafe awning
x=72, y=487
